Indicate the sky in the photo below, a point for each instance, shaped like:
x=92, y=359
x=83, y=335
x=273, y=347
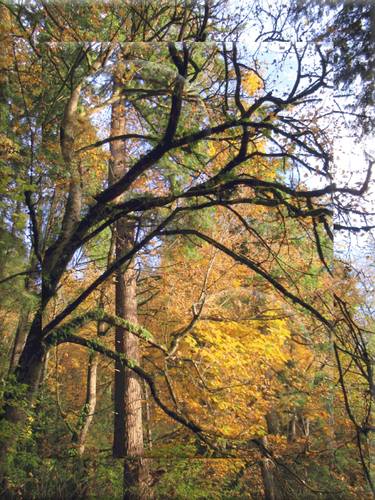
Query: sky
x=351, y=155
x=350, y=163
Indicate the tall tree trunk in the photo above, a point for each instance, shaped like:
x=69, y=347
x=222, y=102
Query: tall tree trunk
x=128, y=431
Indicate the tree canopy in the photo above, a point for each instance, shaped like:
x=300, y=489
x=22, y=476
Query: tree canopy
x=170, y=293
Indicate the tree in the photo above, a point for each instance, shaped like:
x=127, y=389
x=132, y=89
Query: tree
x=197, y=134
x=347, y=29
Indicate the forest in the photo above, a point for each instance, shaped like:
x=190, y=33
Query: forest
x=187, y=216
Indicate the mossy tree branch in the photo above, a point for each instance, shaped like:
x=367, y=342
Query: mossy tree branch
x=65, y=334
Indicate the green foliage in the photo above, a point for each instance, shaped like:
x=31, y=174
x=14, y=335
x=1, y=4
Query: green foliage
x=97, y=249
x=185, y=479
x=43, y=464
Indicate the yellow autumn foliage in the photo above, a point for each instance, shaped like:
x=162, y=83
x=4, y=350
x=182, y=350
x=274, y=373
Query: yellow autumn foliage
x=251, y=82
x=233, y=362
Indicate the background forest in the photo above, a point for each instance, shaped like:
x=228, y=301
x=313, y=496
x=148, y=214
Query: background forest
x=175, y=319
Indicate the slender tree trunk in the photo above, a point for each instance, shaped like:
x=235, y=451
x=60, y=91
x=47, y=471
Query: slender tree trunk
x=90, y=402
x=271, y=483
x=292, y=428
x=267, y=464
x=128, y=429
x=148, y=415
x=20, y=339
x=31, y=361
x=267, y=467
x=23, y=326
x=92, y=375
x=44, y=372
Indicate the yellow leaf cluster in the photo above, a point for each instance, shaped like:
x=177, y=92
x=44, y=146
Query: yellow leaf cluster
x=251, y=82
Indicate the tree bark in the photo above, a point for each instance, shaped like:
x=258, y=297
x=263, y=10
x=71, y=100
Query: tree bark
x=20, y=339
x=128, y=428
x=31, y=361
x=23, y=326
x=267, y=467
x=271, y=484
x=292, y=428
